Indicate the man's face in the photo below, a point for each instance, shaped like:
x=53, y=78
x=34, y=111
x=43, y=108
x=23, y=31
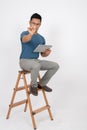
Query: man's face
x=35, y=24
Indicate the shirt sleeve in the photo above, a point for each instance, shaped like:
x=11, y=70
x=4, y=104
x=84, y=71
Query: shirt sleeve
x=23, y=34
x=44, y=42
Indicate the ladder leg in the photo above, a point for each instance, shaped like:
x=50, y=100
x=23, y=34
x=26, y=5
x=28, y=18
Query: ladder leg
x=13, y=96
x=25, y=109
x=46, y=101
x=29, y=101
x=26, y=105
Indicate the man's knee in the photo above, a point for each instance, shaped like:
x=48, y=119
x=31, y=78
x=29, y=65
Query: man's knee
x=56, y=66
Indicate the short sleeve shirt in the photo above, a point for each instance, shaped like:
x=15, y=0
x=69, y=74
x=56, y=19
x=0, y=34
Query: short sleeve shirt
x=27, y=49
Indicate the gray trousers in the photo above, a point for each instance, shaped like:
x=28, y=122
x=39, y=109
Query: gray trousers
x=35, y=65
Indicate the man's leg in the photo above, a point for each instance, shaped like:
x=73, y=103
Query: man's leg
x=51, y=68
x=34, y=67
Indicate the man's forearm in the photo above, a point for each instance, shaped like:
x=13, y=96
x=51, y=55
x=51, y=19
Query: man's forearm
x=26, y=38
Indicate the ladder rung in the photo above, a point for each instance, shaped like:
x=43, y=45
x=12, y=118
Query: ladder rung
x=18, y=103
x=41, y=109
x=20, y=88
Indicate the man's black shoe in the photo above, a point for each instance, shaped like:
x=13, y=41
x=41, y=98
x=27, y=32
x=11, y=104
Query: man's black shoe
x=46, y=88
x=34, y=90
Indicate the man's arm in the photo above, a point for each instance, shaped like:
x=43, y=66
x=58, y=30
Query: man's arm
x=46, y=53
x=28, y=37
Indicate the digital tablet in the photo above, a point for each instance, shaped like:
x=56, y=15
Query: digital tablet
x=42, y=48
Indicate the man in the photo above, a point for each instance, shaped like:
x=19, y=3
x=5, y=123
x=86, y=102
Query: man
x=30, y=39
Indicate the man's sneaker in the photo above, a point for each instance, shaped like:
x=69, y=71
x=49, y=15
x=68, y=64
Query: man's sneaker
x=46, y=88
x=34, y=90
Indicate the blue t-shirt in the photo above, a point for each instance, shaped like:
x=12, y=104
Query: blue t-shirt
x=28, y=47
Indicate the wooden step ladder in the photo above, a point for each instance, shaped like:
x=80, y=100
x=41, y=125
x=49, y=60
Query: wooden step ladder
x=27, y=101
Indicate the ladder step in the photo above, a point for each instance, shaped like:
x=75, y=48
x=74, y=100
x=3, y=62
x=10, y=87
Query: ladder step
x=18, y=103
x=40, y=109
x=21, y=88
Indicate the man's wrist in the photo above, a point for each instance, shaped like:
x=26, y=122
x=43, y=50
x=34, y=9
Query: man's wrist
x=31, y=34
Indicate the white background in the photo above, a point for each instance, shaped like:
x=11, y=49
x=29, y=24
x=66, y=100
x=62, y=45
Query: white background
x=64, y=26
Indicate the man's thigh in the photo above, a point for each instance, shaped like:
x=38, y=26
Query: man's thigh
x=28, y=64
x=46, y=65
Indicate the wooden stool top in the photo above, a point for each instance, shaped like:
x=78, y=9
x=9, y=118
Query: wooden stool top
x=24, y=71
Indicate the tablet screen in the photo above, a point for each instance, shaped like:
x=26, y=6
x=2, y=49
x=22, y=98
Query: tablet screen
x=42, y=48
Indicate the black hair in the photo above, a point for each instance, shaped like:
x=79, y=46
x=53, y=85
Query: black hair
x=36, y=15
